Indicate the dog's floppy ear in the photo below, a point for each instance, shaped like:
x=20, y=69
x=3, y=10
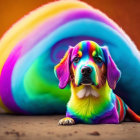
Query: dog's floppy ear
x=113, y=73
x=62, y=70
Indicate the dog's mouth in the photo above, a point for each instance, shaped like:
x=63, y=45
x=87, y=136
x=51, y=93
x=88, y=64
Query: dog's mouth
x=86, y=81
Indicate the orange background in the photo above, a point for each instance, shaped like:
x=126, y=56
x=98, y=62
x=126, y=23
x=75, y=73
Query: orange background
x=125, y=12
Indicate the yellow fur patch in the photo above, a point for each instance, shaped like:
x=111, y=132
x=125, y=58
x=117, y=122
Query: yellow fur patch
x=90, y=106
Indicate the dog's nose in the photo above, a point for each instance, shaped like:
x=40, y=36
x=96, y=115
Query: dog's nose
x=86, y=71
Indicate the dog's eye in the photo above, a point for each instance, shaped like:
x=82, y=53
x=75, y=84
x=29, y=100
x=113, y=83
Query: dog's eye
x=98, y=60
x=76, y=59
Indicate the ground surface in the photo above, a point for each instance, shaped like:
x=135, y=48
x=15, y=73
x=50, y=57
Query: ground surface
x=14, y=127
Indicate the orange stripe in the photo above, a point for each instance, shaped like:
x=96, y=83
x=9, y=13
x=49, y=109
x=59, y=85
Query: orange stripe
x=133, y=115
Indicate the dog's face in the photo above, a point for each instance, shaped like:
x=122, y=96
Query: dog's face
x=87, y=64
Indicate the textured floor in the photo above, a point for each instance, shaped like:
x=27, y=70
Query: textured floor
x=14, y=127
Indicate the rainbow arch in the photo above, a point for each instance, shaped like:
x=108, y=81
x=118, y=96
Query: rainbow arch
x=31, y=48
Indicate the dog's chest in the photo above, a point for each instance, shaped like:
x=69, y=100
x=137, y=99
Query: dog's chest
x=86, y=92
x=88, y=104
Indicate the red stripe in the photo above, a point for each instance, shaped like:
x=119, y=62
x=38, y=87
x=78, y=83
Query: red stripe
x=130, y=112
x=121, y=113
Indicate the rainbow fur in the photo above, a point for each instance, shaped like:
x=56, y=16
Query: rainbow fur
x=93, y=110
x=99, y=107
x=92, y=103
x=31, y=48
x=81, y=48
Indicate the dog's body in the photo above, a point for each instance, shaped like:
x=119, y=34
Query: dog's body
x=96, y=106
x=93, y=75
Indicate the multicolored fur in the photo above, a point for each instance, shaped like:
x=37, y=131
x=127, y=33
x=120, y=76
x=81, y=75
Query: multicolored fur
x=92, y=98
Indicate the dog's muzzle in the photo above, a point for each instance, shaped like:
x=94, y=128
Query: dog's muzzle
x=86, y=79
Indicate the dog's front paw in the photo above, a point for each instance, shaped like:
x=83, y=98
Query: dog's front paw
x=66, y=121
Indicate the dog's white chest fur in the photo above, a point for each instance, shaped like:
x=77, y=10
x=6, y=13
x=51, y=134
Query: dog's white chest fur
x=87, y=91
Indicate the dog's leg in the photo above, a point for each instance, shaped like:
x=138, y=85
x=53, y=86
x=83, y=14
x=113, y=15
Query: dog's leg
x=66, y=121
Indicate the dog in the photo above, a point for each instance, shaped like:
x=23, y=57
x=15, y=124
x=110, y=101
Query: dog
x=93, y=76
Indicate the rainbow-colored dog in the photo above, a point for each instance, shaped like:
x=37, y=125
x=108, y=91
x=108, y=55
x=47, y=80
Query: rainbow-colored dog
x=93, y=76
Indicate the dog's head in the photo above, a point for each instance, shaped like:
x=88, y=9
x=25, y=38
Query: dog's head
x=87, y=64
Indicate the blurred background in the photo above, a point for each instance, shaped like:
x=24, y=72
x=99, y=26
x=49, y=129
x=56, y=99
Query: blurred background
x=126, y=13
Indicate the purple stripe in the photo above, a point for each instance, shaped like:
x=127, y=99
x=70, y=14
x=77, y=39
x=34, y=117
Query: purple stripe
x=5, y=86
x=110, y=117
